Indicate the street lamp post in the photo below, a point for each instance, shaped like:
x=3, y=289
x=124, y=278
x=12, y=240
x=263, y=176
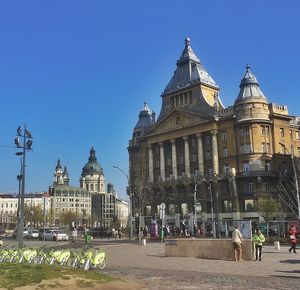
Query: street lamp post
x=212, y=211
x=26, y=146
x=295, y=176
x=130, y=200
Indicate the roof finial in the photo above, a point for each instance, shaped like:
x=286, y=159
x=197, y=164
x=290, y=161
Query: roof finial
x=248, y=67
x=187, y=42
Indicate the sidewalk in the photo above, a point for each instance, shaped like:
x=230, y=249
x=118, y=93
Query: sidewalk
x=276, y=263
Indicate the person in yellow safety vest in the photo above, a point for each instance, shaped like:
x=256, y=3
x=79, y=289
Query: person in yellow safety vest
x=259, y=239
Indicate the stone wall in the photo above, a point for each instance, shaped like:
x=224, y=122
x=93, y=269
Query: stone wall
x=220, y=249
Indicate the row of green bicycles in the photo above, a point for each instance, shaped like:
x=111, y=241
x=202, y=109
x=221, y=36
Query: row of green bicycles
x=85, y=259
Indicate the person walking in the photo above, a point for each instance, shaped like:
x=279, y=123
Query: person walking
x=237, y=240
x=293, y=239
x=74, y=237
x=259, y=239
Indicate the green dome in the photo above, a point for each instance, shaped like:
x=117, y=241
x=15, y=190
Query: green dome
x=92, y=167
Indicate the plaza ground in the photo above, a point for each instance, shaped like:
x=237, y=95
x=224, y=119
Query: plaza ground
x=146, y=267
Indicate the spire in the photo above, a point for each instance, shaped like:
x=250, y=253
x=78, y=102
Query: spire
x=58, y=165
x=249, y=86
x=65, y=173
x=189, y=71
x=92, y=157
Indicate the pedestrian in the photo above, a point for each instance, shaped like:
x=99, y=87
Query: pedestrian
x=259, y=239
x=237, y=240
x=293, y=238
x=74, y=237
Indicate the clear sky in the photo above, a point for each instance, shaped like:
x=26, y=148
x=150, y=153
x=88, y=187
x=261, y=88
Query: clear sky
x=77, y=72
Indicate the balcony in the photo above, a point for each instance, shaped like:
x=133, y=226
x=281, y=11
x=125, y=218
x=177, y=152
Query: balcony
x=258, y=173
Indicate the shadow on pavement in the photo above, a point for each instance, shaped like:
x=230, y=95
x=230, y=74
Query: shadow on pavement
x=290, y=261
x=293, y=271
x=285, y=276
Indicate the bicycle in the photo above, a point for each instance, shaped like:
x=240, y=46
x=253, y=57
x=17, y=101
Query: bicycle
x=61, y=257
x=76, y=260
x=95, y=261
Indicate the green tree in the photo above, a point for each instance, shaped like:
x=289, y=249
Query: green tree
x=268, y=207
x=66, y=218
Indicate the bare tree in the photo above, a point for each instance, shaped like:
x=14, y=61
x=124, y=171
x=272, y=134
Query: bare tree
x=140, y=197
x=287, y=195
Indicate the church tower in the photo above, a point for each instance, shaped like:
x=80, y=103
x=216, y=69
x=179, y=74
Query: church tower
x=92, y=176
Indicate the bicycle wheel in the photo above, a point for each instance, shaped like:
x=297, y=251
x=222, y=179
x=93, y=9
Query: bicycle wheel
x=101, y=265
x=86, y=265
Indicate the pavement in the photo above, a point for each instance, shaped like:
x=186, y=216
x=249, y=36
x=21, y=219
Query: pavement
x=148, y=265
x=278, y=270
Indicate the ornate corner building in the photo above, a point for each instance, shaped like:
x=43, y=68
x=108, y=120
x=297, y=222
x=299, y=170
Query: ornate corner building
x=200, y=157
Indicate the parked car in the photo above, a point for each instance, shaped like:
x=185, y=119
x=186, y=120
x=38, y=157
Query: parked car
x=25, y=233
x=33, y=234
x=54, y=235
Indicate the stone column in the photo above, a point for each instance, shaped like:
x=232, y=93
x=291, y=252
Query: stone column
x=174, y=159
x=200, y=154
x=150, y=155
x=162, y=161
x=186, y=155
x=215, y=155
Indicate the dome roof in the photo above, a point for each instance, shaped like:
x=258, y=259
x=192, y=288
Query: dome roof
x=92, y=167
x=249, y=87
x=189, y=71
x=146, y=120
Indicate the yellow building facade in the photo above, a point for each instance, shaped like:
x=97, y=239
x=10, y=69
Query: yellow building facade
x=199, y=157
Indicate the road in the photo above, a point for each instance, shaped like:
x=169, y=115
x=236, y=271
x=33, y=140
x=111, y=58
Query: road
x=148, y=265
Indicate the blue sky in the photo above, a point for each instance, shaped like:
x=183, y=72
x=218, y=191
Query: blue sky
x=77, y=72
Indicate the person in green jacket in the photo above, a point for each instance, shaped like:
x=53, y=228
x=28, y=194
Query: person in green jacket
x=259, y=239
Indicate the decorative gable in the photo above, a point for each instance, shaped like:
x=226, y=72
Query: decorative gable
x=176, y=119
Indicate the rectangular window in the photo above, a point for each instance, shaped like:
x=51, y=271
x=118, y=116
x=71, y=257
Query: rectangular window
x=298, y=150
x=194, y=157
x=193, y=142
x=157, y=163
x=169, y=162
x=267, y=165
x=148, y=210
x=206, y=139
x=225, y=152
x=267, y=131
x=226, y=168
x=263, y=147
x=297, y=135
x=281, y=132
x=263, y=132
x=181, y=159
x=246, y=167
x=249, y=205
x=250, y=187
x=245, y=149
x=227, y=205
x=184, y=209
x=246, y=131
x=171, y=208
x=224, y=136
x=268, y=148
x=241, y=132
x=207, y=154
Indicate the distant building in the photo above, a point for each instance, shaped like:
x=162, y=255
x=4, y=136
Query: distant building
x=66, y=198
x=9, y=205
x=93, y=204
